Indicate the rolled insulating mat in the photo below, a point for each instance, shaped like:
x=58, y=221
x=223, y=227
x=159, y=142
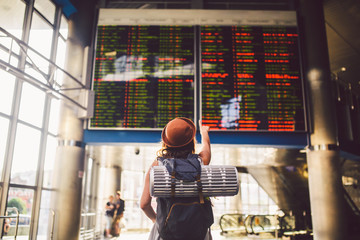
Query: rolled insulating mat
x=216, y=180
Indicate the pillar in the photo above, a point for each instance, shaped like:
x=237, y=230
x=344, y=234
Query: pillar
x=325, y=184
x=70, y=155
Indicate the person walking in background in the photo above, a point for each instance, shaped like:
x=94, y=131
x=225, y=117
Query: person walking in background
x=118, y=215
x=178, y=144
x=109, y=213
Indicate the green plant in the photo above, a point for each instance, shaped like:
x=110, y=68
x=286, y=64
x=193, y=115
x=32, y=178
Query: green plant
x=19, y=204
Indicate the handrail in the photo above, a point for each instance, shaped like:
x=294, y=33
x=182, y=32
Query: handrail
x=17, y=219
x=237, y=218
x=86, y=232
x=245, y=220
x=275, y=224
x=351, y=203
x=267, y=222
x=249, y=224
x=52, y=225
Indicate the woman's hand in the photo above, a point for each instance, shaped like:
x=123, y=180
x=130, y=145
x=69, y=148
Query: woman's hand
x=203, y=129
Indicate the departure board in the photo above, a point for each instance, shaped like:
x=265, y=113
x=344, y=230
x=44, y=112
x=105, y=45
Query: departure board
x=251, y=78
x=143, y=77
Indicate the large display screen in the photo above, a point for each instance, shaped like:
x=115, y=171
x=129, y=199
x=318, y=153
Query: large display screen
x=144, y=76
x=234, y=70
x=251, y=78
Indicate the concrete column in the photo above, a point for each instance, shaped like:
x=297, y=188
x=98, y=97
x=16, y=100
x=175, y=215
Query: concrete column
x=70, y=155
x=325, y=187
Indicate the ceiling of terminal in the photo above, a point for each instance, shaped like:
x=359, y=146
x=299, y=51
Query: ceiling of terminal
x=342, y=19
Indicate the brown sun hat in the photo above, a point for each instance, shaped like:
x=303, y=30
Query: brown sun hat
x=178, y=132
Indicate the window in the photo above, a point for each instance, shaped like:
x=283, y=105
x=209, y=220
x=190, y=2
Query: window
x=22, y=199
x=9, y=47
x=54, y=116
x=253, y=198
x=46, y=217
x=27, y=124
x=40, y=36
x=32, y=105
x=60, y=61
x=12, y=16
x=64, y=27
x=51, y=146
x=26, y=154
x=7, y=82
x=47, y=8
x=4, y=125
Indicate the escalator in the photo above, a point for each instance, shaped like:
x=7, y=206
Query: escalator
x=351, y=183
x=286, y=184
x=264, y=226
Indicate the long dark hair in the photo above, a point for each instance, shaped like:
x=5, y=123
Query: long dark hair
x=181, y=152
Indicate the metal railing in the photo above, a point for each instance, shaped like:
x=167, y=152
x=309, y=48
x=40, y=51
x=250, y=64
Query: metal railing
x=52, y=226
x=16, y=217
x=256, y=224
x=233, y=223
x=88, y=224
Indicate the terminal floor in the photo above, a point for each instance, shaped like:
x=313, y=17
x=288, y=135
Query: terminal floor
x=132, y=235
x=215, y=234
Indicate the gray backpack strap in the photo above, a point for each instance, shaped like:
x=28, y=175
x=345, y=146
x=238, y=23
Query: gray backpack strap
x=160, y=161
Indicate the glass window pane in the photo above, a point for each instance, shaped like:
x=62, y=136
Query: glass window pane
x=58, y=76
x=263, y=197
x=46, y=8
x=46, y=217
x=14, y=61
x=60, y=61
x=32, y=105
x=54, y=116
x=4, y=55
x=40, y=36
x=7, y=82
x=26, y=155
x=4, y=126
x=38, y=74
x=253, y=194
x=244, y=193
x=22, y=199
x=12, y=16
x=10, y=46
x=50, y=155
x=61, y=52
x=64, y=27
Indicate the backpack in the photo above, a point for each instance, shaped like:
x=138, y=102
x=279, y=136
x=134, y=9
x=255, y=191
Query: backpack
x=184, y=218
